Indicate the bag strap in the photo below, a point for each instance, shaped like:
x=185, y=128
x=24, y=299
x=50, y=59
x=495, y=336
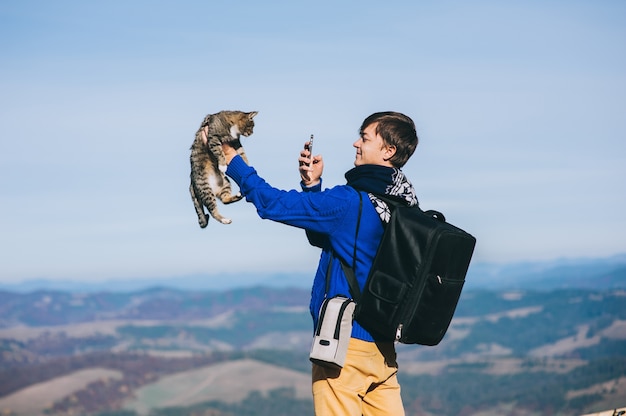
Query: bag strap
x=349, y=272
x=352, y=283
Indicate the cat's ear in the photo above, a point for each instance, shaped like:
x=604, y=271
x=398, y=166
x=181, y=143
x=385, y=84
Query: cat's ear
x=252, y=114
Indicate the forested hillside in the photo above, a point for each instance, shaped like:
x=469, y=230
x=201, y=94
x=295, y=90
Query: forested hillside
x=509, y=352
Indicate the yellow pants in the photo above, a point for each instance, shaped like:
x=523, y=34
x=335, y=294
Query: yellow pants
x=367, y=384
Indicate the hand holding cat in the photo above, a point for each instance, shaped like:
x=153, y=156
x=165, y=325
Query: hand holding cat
x=229, y=151
x=310, y=167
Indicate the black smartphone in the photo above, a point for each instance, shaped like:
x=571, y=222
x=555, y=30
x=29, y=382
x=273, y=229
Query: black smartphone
x=310, y=147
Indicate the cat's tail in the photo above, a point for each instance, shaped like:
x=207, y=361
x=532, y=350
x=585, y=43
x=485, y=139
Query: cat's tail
x=203, y=218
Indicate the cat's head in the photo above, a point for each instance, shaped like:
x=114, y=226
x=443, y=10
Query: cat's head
x=246, y=123
x=240, y=123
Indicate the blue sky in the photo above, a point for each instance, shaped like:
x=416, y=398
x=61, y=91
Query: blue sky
x=520, y=108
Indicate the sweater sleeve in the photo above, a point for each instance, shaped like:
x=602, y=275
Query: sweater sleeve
x=315, y=239
x=319, y=212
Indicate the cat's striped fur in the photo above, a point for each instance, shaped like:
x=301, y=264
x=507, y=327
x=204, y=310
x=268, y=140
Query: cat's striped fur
x=208, y=163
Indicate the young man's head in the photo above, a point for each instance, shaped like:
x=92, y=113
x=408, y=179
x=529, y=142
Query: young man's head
x=386, y=138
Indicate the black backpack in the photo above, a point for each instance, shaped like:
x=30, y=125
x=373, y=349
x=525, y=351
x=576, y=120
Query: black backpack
x=416, y=278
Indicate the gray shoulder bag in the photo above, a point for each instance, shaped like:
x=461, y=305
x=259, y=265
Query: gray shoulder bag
x=334, y=326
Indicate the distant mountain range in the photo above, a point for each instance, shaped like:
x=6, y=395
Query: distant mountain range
x=526, y=339
x=165, y=351
x=582, y=273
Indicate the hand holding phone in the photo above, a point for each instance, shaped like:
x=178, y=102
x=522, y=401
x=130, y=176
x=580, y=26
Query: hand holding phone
x=310, y=170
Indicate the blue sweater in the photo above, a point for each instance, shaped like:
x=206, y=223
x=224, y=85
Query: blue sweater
x=330, y=218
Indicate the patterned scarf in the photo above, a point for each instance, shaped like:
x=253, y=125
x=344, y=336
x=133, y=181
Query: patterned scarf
x=382, y=180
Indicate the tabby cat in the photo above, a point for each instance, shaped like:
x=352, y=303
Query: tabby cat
x=208, y=163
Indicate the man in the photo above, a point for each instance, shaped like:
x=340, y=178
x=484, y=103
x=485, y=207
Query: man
x=367, y=384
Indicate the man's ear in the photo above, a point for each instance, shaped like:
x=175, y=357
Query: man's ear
x=390, y=151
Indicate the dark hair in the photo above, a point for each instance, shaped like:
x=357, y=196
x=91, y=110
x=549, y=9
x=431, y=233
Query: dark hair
x=397, y=130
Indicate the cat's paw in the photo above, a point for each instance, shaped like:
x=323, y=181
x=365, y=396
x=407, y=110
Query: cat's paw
x=229, y=199
x=223, y=168
x=226, y=220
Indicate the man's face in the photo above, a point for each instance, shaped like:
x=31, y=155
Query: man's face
x=371, y=149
